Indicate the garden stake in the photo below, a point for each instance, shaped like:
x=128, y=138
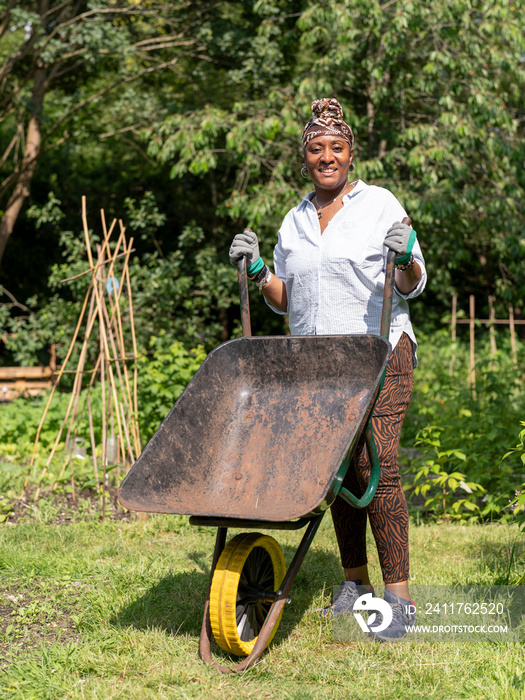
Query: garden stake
x=120, y=336
x=91, y=316
x=93, y=444
x=513, y=338
x=453, y=333
x=60, y=373
x=119, y=393
x=105, y=350
x=123, y=384
x=114, y=321
x=472, y=368
x=104, y=426
x=492, y=333
x=132, y=458
x=138, y=449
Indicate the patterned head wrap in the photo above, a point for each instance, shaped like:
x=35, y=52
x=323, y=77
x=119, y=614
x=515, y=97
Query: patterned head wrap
x=327, y=118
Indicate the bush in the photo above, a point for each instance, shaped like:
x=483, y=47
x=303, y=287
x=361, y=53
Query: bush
x=162, y=378
x=446, y=418
x=452, y=445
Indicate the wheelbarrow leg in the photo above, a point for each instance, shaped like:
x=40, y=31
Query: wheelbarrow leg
x=274, y=612
x=220, y=541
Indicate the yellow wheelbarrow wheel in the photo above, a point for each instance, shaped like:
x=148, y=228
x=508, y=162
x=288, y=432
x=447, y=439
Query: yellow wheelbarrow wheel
x=250, y=565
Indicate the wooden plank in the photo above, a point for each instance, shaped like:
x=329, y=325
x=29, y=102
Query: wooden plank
x=22, y=384
x=9, y=373
x=12, y=390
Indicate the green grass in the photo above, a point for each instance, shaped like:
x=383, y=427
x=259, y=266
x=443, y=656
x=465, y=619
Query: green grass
x=113, y=609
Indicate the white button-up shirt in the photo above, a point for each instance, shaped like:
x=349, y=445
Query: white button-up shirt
x=335, y=281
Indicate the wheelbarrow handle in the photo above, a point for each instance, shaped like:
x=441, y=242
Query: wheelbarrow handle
x=390, y=276
x=242, y=273
x=386, y=316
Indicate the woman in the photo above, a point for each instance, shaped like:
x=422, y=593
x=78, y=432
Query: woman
x=329, y=277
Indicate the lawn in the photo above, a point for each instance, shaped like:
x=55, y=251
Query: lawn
x=113, y=609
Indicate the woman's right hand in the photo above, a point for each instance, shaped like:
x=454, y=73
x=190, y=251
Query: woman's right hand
x=245, y=243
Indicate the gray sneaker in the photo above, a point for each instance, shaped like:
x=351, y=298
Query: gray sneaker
x=403, y=617
x=345, y=597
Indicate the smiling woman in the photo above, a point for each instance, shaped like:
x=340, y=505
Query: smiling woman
x=327, y=160
x=330, y=263
x=328, y=156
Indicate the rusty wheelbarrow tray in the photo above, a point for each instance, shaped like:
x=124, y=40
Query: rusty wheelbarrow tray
x=262, y=429
x=262, y=438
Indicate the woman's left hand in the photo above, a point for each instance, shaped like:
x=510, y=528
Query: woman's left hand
x=401, y=238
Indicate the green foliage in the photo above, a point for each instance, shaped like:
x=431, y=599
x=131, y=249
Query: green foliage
x=439, y=485
x=447, y=419
x=49, y=213
x=191, y=290
x=84, y=77
x=518, y=504
x=519, y=450
x=163, y=375
x=163, y=378
x=31, y=331
x=19, y=422
x=144, y=216
x=433, y=94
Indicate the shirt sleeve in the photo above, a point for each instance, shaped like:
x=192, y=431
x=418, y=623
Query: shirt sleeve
x=418, y=257
x=397, y=213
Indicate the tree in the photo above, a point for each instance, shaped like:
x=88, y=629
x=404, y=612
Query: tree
x=432, y=91
x=79, y=53
x=81, y=161
x=434, y=94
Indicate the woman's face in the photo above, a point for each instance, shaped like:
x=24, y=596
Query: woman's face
x=327, y=159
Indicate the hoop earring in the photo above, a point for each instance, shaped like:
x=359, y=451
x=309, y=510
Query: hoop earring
x=304, y=172
x=352, y=167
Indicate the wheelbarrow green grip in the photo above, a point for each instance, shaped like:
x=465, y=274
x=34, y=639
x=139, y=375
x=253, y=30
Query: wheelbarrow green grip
x=242, y=272
x=375, y=473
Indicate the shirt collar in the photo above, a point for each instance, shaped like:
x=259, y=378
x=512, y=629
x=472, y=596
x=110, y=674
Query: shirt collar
x=307, y=199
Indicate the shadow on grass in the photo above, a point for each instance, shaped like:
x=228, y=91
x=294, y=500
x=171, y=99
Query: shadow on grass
x=175, y=604
x=500, y=562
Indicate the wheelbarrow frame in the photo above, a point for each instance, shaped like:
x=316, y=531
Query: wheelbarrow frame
x=312, y=523
x=313, y=519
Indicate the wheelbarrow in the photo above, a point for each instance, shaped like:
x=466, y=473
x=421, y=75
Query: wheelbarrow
x=262, y=438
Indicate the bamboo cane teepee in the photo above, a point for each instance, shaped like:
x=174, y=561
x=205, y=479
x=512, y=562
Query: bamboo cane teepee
x=104, y=331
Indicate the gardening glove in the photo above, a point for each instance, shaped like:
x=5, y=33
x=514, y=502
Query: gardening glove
x=245, y=243
x=401, y=238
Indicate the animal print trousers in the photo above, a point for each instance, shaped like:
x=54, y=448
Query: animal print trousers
x=388, y=512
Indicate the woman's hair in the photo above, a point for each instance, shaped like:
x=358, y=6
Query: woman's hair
x=327, y=118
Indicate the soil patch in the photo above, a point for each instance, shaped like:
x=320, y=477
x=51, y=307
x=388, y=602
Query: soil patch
x=32, y=617
x=64, y=508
